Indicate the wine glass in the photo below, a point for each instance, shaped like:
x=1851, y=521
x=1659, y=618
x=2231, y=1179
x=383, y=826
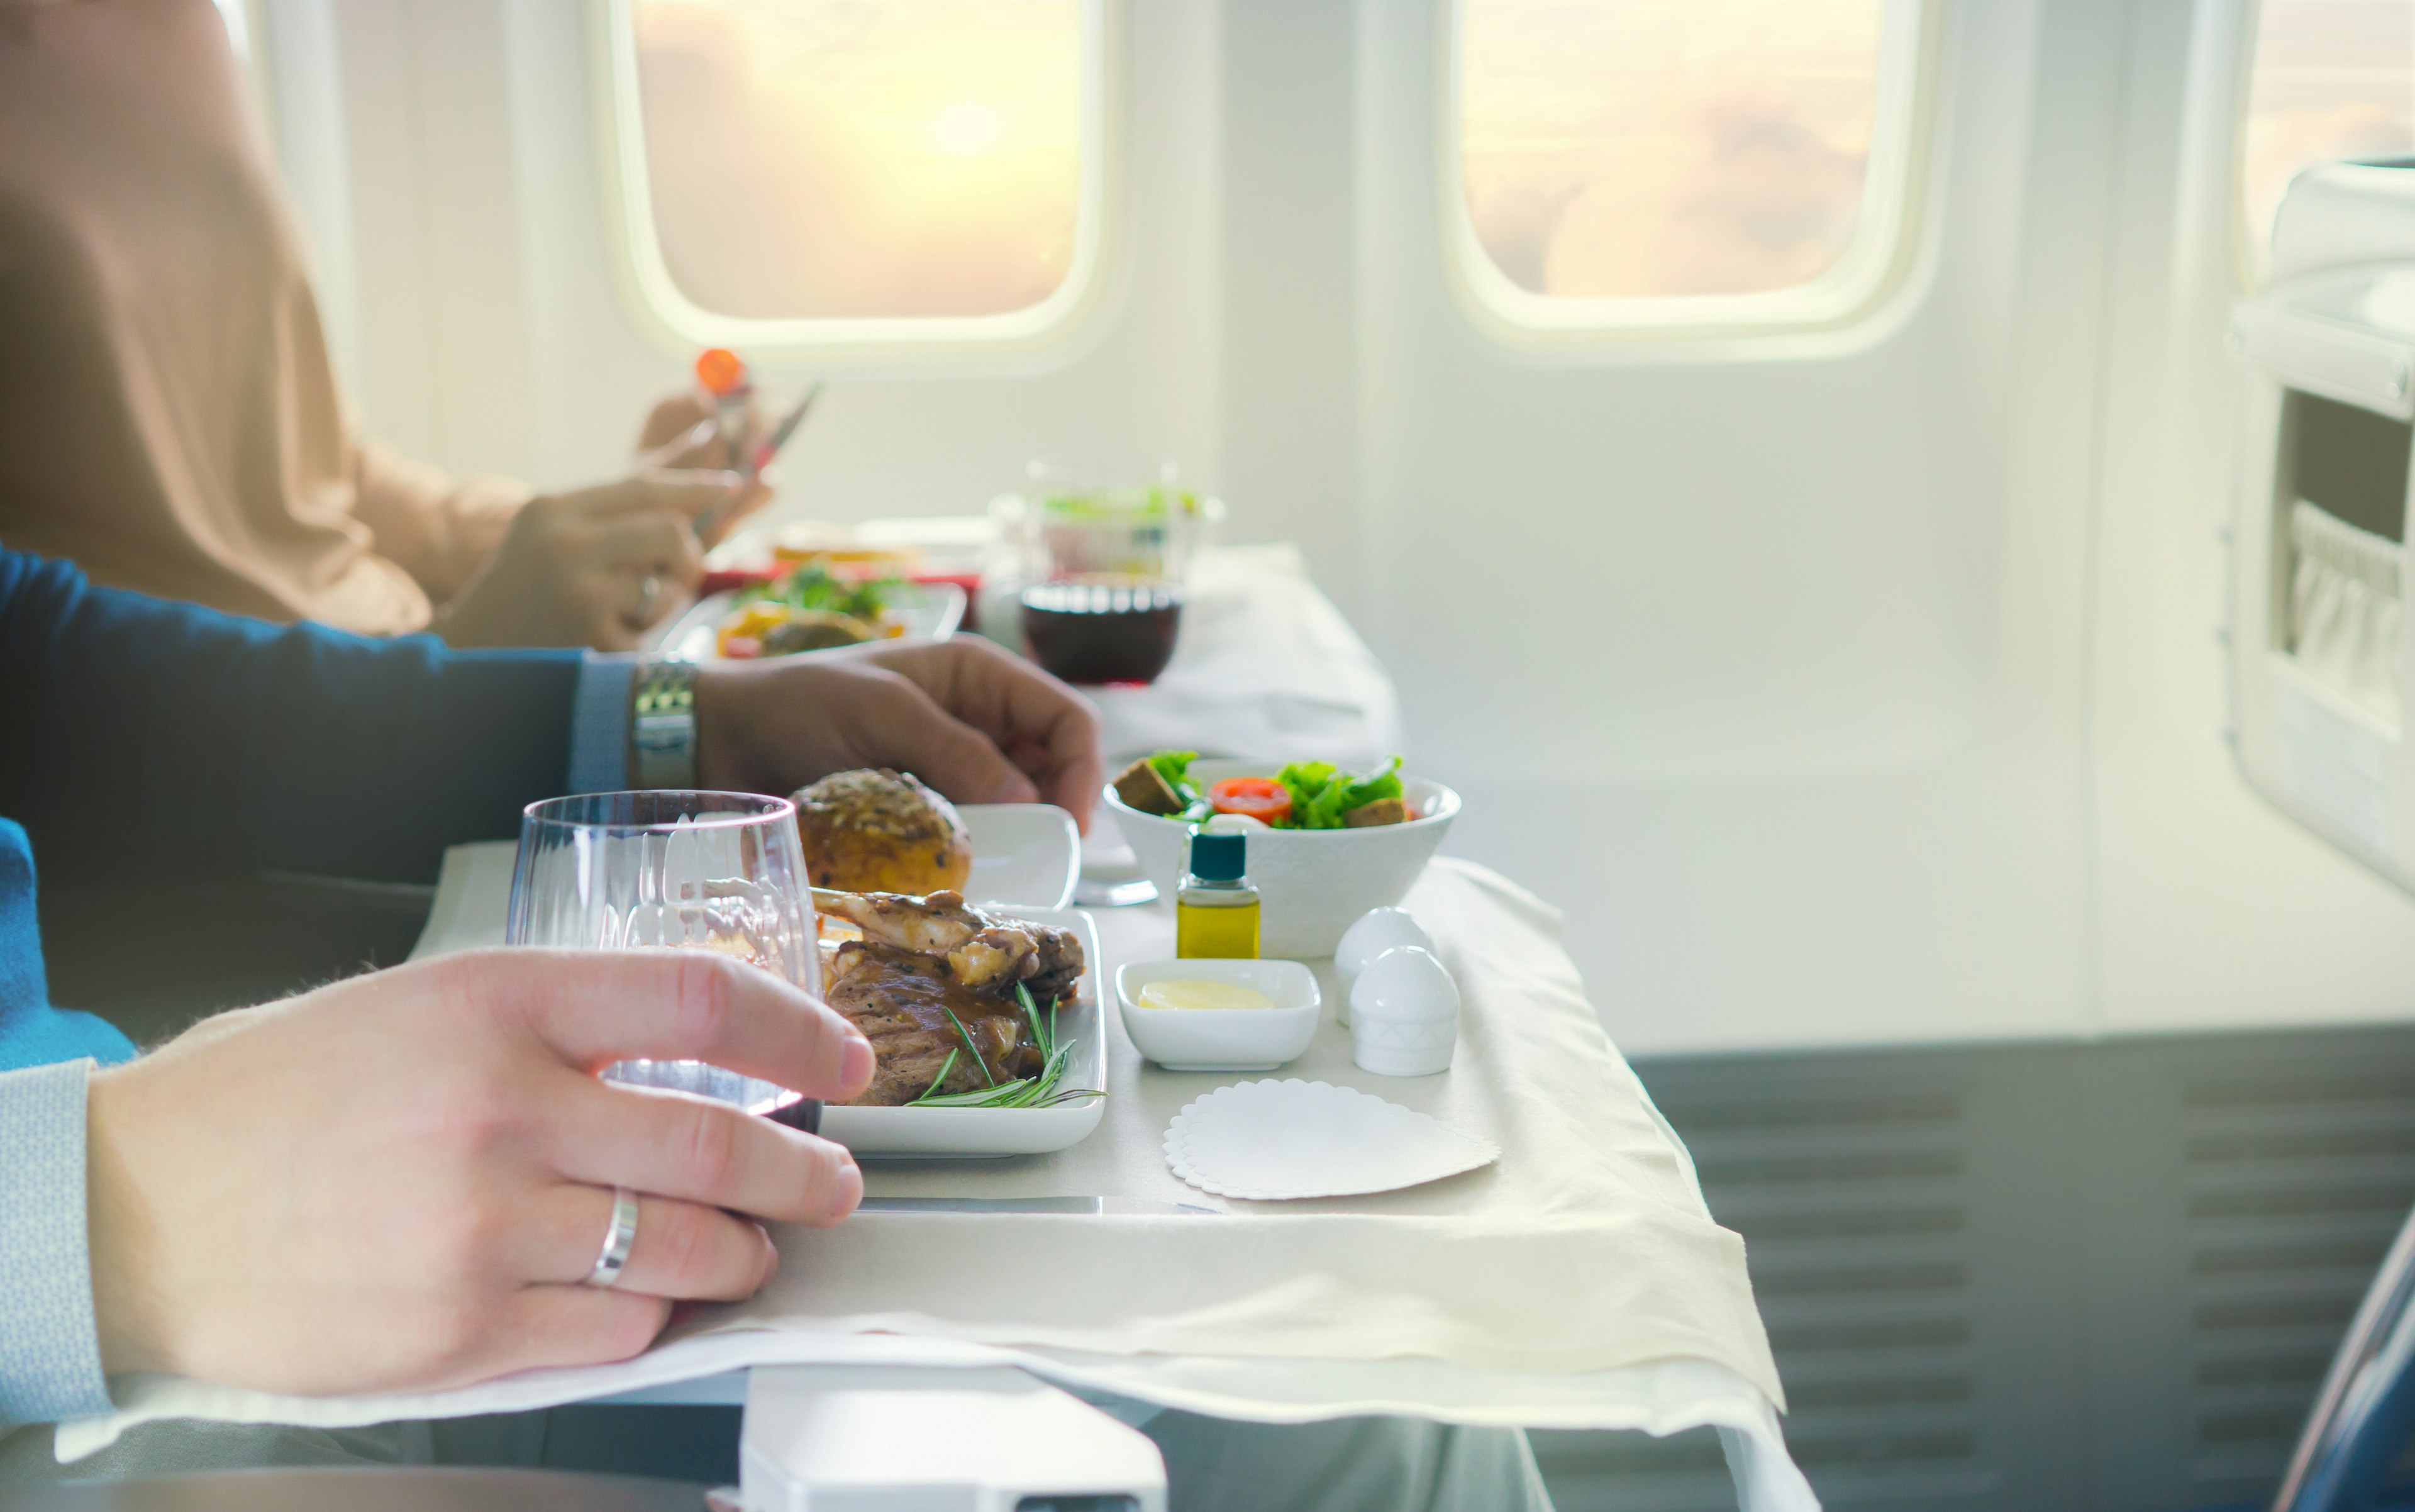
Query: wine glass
x=673, y=870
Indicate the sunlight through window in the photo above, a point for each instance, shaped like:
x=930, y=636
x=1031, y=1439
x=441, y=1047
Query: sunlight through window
x=820, y=160
x=1620, y=154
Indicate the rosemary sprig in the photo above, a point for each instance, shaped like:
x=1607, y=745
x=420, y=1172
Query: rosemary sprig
x=945, y=1067
x=965, y=1034
x=1041, y=1091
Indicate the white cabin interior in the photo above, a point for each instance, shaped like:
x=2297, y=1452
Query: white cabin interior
x=1786, y=455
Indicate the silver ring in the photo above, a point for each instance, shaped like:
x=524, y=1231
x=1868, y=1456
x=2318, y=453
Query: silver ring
x=618, y=1240
x=649, y=590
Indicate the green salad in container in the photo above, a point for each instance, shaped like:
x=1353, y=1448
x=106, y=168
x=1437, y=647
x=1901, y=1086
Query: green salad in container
x=1304, y=795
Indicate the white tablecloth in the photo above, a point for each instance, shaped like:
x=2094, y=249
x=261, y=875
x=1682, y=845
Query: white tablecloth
x=1267, y=669
x=1578, y=1284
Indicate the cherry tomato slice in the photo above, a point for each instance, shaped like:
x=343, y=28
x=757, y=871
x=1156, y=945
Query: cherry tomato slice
x=1262, y=799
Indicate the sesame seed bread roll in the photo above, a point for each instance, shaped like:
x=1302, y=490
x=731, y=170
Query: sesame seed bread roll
x=878, y=831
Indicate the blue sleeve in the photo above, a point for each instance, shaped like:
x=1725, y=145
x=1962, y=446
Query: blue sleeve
x=599, y=723
x=159, y=735
x=49, y=1355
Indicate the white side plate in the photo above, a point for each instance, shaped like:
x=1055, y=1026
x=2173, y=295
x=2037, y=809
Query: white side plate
x=929, y=611
x=988, y=1131
x=1025, y=854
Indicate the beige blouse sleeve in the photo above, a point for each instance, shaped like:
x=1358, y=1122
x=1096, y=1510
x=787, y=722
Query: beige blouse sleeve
x=437, y=527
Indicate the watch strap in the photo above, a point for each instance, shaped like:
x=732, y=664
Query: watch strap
x=662, y=724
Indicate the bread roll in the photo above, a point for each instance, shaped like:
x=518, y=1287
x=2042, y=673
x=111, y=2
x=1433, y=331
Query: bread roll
x=878, y=831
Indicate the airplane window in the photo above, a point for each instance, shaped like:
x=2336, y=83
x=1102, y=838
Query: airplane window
x=2331, y=80
x=803, y=169
x=1650, y=163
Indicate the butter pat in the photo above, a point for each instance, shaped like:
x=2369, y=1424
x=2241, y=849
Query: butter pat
x=1189, y=992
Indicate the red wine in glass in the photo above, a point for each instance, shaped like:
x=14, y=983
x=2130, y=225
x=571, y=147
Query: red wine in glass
x=1103, y=627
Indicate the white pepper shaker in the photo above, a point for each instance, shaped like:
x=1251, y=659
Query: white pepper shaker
x=1376, y=931
x=1404, y=1014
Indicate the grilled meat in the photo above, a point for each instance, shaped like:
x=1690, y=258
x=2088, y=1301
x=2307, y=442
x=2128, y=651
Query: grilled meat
x=934, y=976
x=903, y=1003
x=985, y=949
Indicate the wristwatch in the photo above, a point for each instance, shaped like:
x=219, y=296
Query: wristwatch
x=662, y=724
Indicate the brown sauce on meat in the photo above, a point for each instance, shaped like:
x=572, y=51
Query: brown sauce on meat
x=902, y=1002
x=924, y=987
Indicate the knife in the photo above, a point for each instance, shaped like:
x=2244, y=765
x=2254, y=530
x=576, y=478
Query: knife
x=1095, y=1207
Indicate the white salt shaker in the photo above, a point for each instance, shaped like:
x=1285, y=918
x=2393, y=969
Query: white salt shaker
x=1376, y=931
x=1404, y=1014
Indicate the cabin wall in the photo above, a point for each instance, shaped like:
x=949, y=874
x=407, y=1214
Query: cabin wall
x=2214, y=911
x=1851, y=689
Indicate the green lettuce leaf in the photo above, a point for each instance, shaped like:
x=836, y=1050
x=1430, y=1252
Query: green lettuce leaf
x=1174, y=767
x=1321, y=793
x=814, y=587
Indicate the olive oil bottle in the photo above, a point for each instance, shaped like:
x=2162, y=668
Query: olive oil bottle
x=1216, y=910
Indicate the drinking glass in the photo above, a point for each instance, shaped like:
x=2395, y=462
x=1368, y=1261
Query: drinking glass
x=1073, y=523
x=673, y=870
x=1103, y=627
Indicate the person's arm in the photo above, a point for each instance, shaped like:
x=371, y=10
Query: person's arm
x=147, y=735
x=437, y=527
x=198, y=1210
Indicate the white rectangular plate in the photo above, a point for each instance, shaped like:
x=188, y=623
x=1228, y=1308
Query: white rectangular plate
x=990, y=1132
x=1033, y=865
x=1025, y=854
x=929, y=611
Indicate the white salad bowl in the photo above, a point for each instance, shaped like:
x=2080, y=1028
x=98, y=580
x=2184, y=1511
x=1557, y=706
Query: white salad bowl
x=1222, y=1038
x=1313, y=883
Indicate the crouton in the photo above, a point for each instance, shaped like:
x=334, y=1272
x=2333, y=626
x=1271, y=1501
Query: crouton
x=1382, y=811
x=1143, y=787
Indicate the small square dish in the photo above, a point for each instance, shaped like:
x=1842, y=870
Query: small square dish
x=1027, y=855
x=874, y=1132
x=1222, y=1040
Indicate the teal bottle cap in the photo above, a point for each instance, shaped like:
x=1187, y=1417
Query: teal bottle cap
x=1218, y=858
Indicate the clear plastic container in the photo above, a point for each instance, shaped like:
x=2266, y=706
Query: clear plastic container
x=1078, y=525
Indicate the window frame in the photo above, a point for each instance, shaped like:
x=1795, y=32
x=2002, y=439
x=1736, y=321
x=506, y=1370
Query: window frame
x=246, y=24
x=2251, y=255
x=1877, y=262
x=679, y=324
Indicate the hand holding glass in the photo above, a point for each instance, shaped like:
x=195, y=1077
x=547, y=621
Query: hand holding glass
x=674, y=870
